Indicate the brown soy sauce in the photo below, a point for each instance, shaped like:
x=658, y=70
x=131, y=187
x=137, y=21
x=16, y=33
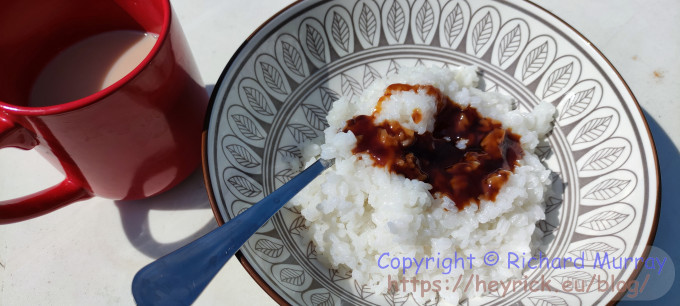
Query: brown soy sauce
x=465, y=175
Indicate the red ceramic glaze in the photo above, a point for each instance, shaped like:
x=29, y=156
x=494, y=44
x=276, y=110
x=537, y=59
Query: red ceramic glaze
x=134, y=139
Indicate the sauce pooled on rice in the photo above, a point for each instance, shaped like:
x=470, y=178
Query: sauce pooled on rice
x=467, y=157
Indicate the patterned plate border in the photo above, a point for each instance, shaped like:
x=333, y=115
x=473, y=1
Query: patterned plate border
x=588, y=128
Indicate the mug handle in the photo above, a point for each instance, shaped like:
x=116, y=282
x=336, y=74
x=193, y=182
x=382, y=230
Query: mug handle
x=41, y=202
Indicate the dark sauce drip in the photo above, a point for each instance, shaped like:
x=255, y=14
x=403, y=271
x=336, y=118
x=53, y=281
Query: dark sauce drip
x=464, y=175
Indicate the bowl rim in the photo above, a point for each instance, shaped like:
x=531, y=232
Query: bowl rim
x=278, y=298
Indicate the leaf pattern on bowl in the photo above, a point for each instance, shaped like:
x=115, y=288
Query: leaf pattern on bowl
x=245, y=127
x=256, y=101
x=605, y=220
x=273, y=78
x=609, y=188
x=395, y=298
x=268, y=248
x=314, y=42
x=579, y=101
x=582, y=281
x=337, y=275
x=328, y=96
x=244, y=186
x=292, y=152
x=514, y=37
x=560, y=77
x=607, y=156
x=370, y=75
x=290, y=57
x=316, y=116
x=424, y=21
x=393, y=67
x=594, y=128
x=362, y=290
x=311, y=251
x=242, y=156
x=452, y=28
x=535, y=59
x=285, y=175
x=297, y=226
x=319, y=297
x=595, y=250
x=365, y=18
x=292, y=277
x=350, y=87
x=603, y=158
x=394, y=14
x=301, y=132
x=338, y=29
x=485, y=24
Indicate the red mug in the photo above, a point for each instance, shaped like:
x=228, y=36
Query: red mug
x=133, y=139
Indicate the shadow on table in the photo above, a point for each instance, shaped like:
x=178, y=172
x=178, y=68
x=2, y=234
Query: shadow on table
x=669, y=223
x=190, y=194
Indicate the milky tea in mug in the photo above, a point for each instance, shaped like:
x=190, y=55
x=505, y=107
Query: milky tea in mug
x=90, y=65
x=117, y=110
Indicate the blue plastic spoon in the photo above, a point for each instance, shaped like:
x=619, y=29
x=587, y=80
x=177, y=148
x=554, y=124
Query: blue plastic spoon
x=179, y=277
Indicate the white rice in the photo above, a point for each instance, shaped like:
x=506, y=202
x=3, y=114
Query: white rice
x=356, y=212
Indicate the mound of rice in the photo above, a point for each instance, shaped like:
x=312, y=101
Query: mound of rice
x=356, y=211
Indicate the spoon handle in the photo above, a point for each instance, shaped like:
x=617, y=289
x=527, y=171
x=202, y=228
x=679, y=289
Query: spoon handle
x=179, y=277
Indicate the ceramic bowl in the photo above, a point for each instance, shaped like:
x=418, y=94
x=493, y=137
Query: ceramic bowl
x=277, y=89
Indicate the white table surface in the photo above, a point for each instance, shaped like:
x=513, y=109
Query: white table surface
x=87, y=253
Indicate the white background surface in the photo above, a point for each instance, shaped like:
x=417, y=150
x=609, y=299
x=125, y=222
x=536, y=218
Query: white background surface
x=87, y=253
